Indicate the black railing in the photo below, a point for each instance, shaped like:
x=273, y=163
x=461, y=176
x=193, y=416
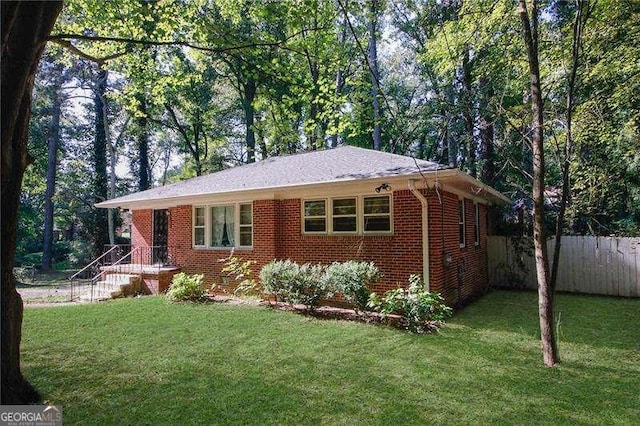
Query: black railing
x=102, y=277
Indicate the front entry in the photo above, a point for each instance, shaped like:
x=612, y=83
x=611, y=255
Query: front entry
x=160, y=236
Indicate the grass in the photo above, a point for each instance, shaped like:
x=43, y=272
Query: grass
x=144, y=361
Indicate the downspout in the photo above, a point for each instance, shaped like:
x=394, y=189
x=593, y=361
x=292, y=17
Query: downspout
x=425, y=231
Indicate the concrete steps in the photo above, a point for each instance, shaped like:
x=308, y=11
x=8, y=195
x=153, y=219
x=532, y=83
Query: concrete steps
x=112, y=286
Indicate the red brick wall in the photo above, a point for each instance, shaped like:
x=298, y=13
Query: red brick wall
x=277, y=235
x=207, y=261
x=396, y=256
x=142, y=228
x=466, y=275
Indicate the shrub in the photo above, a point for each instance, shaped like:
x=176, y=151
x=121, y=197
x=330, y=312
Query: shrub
x=186, y=288
x=240, y=270
x=292, y=283
x=353, y=280
x=417, y=306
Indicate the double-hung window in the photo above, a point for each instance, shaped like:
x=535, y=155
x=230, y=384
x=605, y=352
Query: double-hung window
x=461, y=223
x=344, y=214
x=377, y=214
x=476, y=224
x=199, y=227
x=222, y=226
x=315, y=216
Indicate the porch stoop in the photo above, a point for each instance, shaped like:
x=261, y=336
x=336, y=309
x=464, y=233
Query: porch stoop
x=114, y=286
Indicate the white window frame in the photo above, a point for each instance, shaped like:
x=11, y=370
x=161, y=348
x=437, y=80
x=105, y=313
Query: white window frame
x=207, y=226
x=476, y=225
x=203, y=227
x=462, y=223
x=360, y=216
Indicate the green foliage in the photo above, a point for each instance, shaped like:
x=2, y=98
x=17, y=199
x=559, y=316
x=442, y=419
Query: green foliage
x=242, y=273
x=292, y=283
x=185, y=288
x=417, y=306
x=353, y=279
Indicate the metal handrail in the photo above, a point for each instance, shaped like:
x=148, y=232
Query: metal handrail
x=93, y=263
x=117, y=262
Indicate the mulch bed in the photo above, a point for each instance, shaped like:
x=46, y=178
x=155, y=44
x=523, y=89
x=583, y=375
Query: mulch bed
x=329, y=313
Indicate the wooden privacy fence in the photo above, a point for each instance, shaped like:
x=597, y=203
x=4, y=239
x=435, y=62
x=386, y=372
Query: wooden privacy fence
x=595, y=265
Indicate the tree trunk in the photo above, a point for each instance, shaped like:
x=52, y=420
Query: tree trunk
x=488, y=171
x=143, y=144
x=375, y=73
x=545, y=292
x=100, y=229
x=25, y=28
x=247, y=104
x=52, y=164
x=468, y=116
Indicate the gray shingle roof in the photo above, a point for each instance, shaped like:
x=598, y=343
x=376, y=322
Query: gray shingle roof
x=346, y=163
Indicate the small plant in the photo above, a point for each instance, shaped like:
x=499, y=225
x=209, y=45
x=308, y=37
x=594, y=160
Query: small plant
x=353, y=279
x=242, y=273
x=186, y=288
x=418, y=307
x=292, y=283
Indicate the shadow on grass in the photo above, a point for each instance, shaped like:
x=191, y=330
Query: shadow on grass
x=583, y=319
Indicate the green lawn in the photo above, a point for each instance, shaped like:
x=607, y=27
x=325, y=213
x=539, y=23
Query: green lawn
x=144, y=361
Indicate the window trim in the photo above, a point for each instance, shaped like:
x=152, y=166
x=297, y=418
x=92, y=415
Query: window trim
x=359, y=216
x=207, y=226
x=462, y=223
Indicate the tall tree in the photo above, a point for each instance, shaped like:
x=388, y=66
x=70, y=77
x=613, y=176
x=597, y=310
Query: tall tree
x=545, y=291
x=374, y=17
x=100, y=228
x=56, y=77
x=25, y=28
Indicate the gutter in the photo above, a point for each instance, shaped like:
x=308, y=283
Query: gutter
x=411, y=183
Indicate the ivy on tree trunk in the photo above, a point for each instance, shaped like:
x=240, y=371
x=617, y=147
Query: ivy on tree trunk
x=25, y=28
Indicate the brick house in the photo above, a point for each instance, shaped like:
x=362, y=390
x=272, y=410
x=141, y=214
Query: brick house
x=408, y=216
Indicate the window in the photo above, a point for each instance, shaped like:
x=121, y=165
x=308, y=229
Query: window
x=315, y=216
x=377, y=214
x=461, y=223
x=246, y=225
x=476, y=224
x=344, y=215
x=223, y=226
x=198, y=227
x=367, y=214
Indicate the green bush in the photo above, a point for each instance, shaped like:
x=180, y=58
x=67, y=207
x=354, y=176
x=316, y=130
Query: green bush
x=418, y=307
x=186, y=288
x=292, y=283
x=353, y=279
